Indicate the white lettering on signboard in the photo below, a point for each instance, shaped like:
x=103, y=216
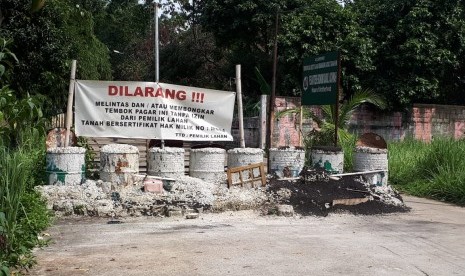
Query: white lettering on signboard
x=149, y=110
x=321, y=65
x=324, y=78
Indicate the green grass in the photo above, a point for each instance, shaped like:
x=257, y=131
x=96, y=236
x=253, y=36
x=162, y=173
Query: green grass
x=435, y=170
x=23, y=213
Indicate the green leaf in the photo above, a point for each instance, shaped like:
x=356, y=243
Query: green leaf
x=5, y=271
x=37, y=5
x=265, y=88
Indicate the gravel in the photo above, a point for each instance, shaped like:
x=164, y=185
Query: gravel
x=66, y=150
x=119, y=148
x=167, y=150
x=370, y=150
x=246, y=151
x=312, y=194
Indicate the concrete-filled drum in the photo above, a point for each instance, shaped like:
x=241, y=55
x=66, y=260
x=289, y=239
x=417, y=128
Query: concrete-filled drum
x=372, y=159
x=118, y=163
x=286, y=162
x=166, y=162
x=331, y=159
x=65, y=166
x=207, y=163
x=244, y=156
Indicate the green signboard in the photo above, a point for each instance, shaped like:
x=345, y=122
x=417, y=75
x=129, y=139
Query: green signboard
x=320, y=79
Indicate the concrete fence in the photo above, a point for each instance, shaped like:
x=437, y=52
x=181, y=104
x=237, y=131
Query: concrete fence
x=422, y=122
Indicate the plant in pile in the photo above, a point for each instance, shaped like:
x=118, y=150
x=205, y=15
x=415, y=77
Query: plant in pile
x=23, y=213
x=324, y=133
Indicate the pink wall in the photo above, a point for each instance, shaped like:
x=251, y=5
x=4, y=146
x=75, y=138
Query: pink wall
x=423, y=122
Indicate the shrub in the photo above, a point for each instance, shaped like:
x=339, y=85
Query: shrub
x=435, y=170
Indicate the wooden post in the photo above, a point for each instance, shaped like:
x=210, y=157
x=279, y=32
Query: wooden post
x=157, y=55
x=336, y=119
x=273, y=82
x=263, y=120
x=239, y=105
x=69, y=108
x=301, y=136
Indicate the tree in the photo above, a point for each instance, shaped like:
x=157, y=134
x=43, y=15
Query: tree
x=419, y=49
x=311, y=28
x=246, y=29
x=126, y=28
x=45, y=42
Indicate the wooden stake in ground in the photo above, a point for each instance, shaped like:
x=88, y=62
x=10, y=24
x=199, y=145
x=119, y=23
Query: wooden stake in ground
x=239, y=105
x=69, y=108
x=301, y=136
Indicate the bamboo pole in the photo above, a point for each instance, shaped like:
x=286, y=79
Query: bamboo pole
x=239, y=105
x=69, y=108
x=263, y=119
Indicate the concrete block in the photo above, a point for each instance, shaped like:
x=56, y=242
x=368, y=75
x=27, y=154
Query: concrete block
x=285, y=210
x=174, y=213
x=192, y=215
x=153, y=186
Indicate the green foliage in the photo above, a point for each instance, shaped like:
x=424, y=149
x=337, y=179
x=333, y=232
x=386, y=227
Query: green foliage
x=403, y=158
x=22, y=156
x=324, y=136
x=91, y=167
x=265, y=88
x=435, y=170
x=13, y=180
x=45, y=43
x=126, y=28
x=36, y=5
x=23, y=213
x=418, y=49
x=7, y=59
x=16, y=115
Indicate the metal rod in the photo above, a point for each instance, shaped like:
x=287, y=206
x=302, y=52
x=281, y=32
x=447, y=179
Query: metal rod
x=157, y=63
x=69, y=108
x=157, y=58
x=239, y=105
x=357, y=173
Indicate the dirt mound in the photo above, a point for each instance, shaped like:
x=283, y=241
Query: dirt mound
x=316, y=193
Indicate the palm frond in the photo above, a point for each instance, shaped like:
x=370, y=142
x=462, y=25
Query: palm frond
x=307, y=113
x=327, y=121
x=359, y=97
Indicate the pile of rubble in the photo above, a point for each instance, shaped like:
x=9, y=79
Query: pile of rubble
x=314, y=193
x=317, y=193
x=187, y=195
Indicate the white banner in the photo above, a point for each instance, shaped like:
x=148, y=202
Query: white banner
x=150, y=110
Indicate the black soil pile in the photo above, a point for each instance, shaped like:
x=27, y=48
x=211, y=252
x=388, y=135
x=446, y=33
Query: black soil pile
x=315, y=193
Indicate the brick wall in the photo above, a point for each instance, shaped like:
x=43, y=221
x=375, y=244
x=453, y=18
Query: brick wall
x=422, y=122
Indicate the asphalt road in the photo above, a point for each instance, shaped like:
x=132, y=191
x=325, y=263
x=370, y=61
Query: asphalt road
x=429, y=240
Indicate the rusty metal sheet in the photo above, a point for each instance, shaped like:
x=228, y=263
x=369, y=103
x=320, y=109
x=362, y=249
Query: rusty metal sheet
x=371, y=140
x=56, y=138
